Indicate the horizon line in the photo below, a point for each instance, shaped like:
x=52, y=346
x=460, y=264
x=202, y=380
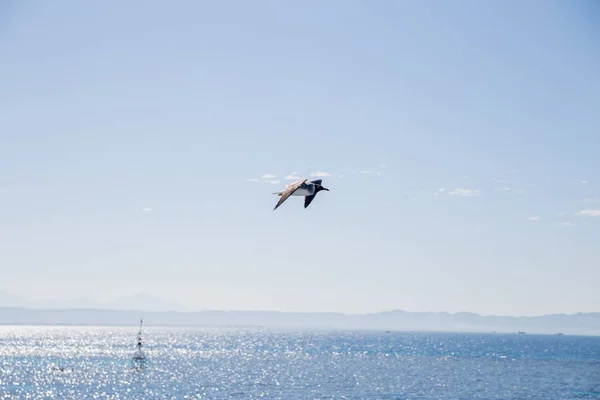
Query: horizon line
x=349, y=314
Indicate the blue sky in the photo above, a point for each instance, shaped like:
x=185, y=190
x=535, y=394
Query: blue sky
x=111, y=108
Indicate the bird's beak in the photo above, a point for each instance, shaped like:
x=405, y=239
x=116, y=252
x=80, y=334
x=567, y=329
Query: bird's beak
x=326, y=189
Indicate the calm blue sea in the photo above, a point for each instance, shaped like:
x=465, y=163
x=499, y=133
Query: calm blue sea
x=250, y=364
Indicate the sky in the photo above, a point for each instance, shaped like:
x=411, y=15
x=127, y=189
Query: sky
x=140, y=143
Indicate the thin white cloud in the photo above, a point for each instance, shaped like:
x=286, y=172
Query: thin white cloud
x=591, y=199
x=507, y=189
x=366, y=172
x=590, y=213
x=564, y=223
x=382, y=166
x=146, y=209
x=269, y=176
x=264, y=180
x=340, y=176
x=441, y=189
x=320, y=174
x=292, y=177
x=464, y=192
x=534, y=218
x=500, y=180
x=584, y=182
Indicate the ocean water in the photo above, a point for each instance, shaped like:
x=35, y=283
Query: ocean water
x=251, y=364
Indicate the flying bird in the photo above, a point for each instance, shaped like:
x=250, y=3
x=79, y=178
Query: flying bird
x=301, y=188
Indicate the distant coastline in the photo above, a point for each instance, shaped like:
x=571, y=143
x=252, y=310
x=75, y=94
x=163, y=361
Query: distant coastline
x=397, y=320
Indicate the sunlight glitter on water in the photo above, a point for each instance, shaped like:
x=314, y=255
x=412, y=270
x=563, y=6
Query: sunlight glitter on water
x=223, y=364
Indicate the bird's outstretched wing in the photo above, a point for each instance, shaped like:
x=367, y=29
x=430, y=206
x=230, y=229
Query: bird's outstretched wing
x=317, y=182
x=308, y=200
x=289, y=190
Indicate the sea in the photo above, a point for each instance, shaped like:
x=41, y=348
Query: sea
x=61, y=362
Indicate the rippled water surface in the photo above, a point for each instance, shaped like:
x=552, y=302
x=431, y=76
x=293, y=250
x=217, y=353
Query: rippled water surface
x=232, y=364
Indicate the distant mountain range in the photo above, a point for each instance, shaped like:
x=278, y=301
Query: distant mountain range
x=156, y=312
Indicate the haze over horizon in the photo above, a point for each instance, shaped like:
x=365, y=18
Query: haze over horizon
x=147, y=302
x=127, y=311
x=140, y=143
